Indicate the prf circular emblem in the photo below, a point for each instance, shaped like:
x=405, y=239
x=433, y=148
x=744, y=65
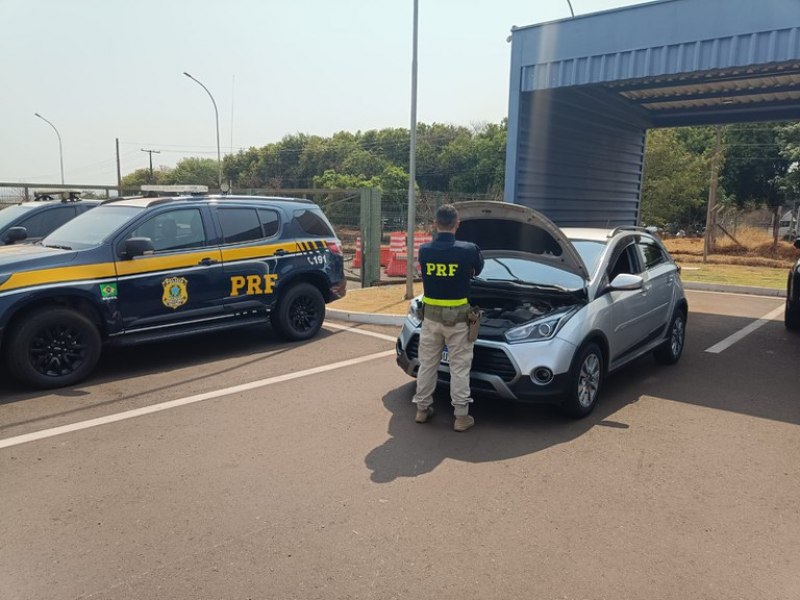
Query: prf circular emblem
x=175, y=292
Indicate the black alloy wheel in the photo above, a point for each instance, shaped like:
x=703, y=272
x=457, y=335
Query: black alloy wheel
x=300, y=312
x=53, y=347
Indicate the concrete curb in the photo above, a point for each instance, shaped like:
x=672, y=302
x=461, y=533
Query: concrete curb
x=365, y=318
x=733, y=289
x=397, y=320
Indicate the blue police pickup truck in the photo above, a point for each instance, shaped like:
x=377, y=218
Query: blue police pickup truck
x=32, y=220
x=147, y=269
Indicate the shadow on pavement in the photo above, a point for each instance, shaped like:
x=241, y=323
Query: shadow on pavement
x=758, y=379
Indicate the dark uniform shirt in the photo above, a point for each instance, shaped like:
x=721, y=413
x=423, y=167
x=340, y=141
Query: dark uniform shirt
x=447, y=267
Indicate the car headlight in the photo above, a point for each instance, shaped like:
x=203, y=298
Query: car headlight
x=541, y=329
x=415, y=312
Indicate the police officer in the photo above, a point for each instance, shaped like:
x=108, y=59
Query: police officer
x=447, y=267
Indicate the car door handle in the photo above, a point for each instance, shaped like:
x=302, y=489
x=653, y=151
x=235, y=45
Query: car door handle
x=205, y=262
x=280, y=252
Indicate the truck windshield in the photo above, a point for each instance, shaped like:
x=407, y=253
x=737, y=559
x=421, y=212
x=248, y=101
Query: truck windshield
x=92, y=227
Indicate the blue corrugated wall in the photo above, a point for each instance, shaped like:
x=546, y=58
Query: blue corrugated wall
x=575, y=150
x=580, y=157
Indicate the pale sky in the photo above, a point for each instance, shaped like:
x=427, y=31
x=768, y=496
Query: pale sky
x=106, y=69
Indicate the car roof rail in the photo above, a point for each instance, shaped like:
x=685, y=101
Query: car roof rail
x=274, y=198
x=622, y=228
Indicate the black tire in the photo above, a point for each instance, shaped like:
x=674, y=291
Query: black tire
x=791, y=316
x=670, y=351
x=300, y=312
x=585, y=380
x=53, y=347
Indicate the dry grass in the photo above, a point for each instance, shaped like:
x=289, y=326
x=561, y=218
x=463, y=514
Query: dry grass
x=727, y=274
x=386, y=299
x=754, y=248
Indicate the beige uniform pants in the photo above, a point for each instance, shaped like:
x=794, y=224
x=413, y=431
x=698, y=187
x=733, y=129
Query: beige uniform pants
x=432, y=340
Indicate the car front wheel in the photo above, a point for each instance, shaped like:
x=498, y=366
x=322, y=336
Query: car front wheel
x=300, y=312
x=585, y=380
x=53, y=347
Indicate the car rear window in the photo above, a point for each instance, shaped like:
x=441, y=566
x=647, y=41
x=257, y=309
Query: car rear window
x=313, y=223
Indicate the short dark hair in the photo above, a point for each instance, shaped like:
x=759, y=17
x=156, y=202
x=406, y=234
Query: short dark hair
x=446, y=216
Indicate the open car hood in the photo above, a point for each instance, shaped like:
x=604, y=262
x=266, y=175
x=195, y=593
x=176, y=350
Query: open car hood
x=513, y=227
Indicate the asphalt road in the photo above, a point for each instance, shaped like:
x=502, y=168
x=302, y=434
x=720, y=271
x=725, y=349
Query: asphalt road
x=239, y=467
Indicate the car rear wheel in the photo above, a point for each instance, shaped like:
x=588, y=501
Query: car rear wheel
x=670, y=351
x=53, y=347
x=791, y=316
x=300, y=312
x=585, y=380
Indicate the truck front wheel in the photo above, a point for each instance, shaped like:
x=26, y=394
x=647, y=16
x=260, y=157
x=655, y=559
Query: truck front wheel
x=53, y=347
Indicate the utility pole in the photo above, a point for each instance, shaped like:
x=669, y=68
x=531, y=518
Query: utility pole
x=711, y=211
x=151, y=152
x=119, y=171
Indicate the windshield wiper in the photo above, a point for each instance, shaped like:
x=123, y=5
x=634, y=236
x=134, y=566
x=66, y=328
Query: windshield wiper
x=57, y=246
x=518, y=281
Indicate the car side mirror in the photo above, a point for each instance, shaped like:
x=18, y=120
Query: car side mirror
x=137, y=246
x=796, y=242
x=626, y=281
x=15, y=234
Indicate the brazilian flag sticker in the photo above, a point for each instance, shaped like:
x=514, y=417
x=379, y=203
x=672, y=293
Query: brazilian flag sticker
x=108, y=291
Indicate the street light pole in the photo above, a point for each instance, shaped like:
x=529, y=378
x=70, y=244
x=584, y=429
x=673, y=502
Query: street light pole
x=412, y=166
x=216, y=119
x=60, y=150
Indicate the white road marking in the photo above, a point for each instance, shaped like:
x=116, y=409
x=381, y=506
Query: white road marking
x=380, y=336
x=739, y=294
x=744, y=332
x=146, y=410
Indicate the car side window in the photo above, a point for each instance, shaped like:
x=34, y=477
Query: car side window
x=626, y=262
x=239, y=225
x=178, y=229
x=653, y=255
x=270, y=222
x=46, y=221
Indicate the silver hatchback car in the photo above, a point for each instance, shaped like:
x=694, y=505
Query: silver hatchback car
x=562, y=308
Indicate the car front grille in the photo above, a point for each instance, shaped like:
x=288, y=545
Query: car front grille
x=485, y=359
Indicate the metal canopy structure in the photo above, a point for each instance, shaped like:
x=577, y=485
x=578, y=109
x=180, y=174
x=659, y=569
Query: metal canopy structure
x=584, y=91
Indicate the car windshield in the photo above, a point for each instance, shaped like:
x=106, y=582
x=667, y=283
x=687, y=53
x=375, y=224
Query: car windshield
x=92, y=227
x=526, y=270
x=8, y=215
x=589, y=251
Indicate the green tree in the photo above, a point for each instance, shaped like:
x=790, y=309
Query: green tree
x=194, y=171
x=755, y=167
x=788, y=137
x=675, y=180
x=141, y=177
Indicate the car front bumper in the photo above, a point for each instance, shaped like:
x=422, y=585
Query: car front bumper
x=500, y=369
